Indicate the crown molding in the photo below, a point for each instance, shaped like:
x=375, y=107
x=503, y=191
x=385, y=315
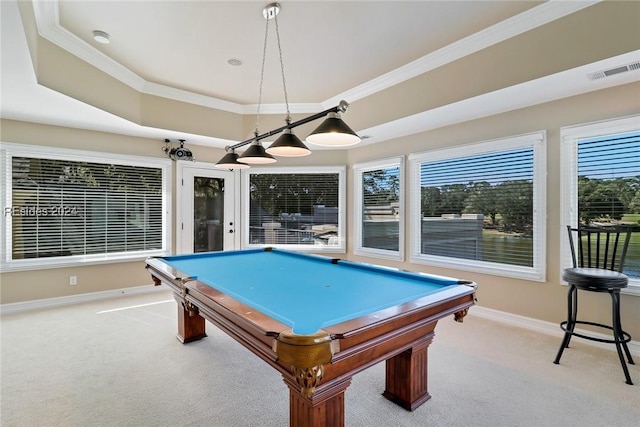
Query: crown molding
x=533, y=18
x=545, y=89
x=176, y=94
x=48, y=24
x=300, y=108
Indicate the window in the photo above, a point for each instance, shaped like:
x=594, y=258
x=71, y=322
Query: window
x=296, y=208
x=66, y=206
x=378, y=210
x=481, y=207
x=601, y=177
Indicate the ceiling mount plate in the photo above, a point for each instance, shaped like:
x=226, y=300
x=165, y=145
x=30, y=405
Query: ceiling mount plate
x=271, y=10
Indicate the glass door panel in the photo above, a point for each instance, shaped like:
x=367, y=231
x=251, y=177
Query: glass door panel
x=208, y=210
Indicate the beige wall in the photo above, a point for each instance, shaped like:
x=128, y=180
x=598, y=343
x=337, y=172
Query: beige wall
x=540, y=300
x=31, y=285
x=48, y=283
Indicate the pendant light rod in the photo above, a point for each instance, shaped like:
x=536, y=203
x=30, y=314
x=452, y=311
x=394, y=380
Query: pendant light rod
x=342, y=107
x=332, y=132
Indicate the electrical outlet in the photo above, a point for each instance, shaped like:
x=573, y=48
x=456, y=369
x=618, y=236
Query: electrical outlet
x=73, y=280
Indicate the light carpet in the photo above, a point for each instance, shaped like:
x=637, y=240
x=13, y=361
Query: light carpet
x=117, y=363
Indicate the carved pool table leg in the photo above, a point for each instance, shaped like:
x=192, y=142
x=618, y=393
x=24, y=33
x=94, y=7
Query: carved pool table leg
x=406, y=376
x=324, y=408
x=459, y=316
x=191, y=326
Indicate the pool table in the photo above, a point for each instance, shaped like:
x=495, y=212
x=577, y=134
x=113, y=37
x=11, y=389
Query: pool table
x=317, y=320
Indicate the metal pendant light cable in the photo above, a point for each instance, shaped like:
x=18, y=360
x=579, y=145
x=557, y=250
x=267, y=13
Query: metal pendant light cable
x=264, y=57
x=284, y=82
x=332, y=132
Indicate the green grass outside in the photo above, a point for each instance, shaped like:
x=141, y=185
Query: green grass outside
x=632, y=218
x=519, y=251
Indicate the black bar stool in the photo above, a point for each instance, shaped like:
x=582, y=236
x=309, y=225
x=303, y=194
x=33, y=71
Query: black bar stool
x=597, y=268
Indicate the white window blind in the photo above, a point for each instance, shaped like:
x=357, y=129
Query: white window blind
x=295, y=209
x=480, y=207
x=82, y=210
x=379, y=209
x=609, y=187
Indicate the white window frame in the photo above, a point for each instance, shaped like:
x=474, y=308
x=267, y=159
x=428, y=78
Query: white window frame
x=569, y=136
x=9, y=150
x=358, y=170
x=535, y=140
x=245, y=211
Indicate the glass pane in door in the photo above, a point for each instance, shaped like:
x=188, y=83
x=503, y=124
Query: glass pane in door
x=208, y=211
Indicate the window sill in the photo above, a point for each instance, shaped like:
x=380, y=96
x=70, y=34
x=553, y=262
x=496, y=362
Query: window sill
x=77, y=261
x=632, y=289
x=379, y=253
x=502, y=270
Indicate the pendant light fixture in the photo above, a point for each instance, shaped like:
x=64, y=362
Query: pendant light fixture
x=288, y=145
x=333, y=132
x=230, y=161
x=256, y=155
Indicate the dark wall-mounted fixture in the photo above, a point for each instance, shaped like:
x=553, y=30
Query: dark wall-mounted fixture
x=177, y=152
x=332, y=131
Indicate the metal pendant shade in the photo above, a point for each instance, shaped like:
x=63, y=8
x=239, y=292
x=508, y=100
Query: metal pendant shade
x=333, y=132
x=256, y=155
x=230, y=161
x=288, y=145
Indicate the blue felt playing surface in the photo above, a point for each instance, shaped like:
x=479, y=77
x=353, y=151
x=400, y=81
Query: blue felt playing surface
x=306, y=292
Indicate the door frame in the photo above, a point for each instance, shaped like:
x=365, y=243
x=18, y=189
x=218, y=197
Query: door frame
x=184, y=204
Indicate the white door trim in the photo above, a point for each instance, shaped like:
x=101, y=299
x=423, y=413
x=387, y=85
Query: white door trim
x=184, y=205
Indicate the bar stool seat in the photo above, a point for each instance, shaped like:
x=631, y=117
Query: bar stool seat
x=594, y=279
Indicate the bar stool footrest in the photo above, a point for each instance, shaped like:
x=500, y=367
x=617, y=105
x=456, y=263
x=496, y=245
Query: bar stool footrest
x=626, y=336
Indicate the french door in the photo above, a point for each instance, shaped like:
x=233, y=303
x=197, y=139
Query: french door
x=206, y=212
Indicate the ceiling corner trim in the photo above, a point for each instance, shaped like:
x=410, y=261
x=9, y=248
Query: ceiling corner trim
x=163, y=91
x=46, y=14
x=533, y=18
x=564, y=84
x=296, y=108
x=48, y=23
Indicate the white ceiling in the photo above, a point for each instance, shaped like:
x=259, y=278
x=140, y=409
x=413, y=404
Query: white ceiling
x=331, y=50
x=328, y=46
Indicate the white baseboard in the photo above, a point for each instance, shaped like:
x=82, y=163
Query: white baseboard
x=544, y=327
x=79, y=298
x=529, y=323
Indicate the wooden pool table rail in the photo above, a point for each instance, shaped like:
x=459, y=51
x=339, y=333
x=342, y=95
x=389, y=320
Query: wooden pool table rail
x=399, y=335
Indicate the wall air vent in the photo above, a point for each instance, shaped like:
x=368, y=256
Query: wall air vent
x=613, y=71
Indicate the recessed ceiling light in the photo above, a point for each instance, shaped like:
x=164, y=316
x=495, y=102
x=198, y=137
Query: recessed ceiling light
x=101, y=37
x=235, y=62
